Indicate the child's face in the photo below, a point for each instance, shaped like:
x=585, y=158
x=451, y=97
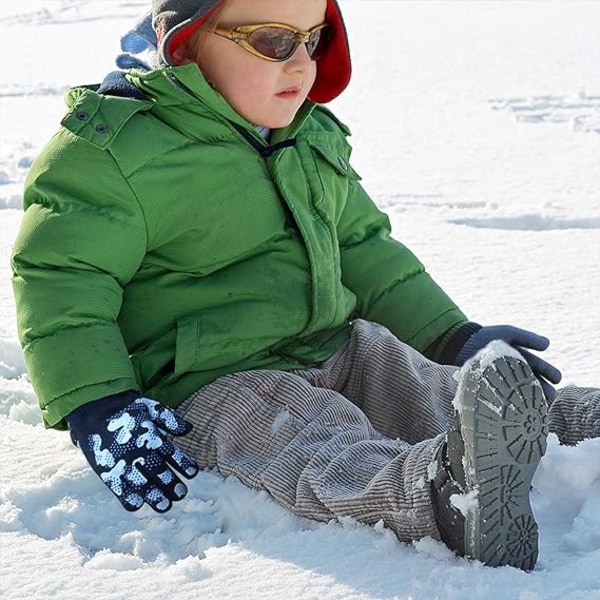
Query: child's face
x=263, y=92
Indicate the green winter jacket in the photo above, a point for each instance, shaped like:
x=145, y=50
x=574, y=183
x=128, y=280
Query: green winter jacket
x=164, y=243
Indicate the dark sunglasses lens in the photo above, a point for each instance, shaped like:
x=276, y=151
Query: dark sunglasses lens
x=317, y=43
x=273, y=42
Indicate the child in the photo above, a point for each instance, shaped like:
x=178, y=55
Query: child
x=202, y=282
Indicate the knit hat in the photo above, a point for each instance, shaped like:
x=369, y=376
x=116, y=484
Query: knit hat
x=176, y=20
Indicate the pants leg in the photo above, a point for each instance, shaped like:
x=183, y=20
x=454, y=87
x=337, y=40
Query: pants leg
x=574, y=415
x=402, y=393
x=324, y=455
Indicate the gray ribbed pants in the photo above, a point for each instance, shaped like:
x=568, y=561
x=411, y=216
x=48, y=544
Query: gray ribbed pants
x=351, y=438
x=354, y=437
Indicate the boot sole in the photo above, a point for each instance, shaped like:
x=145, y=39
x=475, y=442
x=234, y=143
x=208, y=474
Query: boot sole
x=503, y=416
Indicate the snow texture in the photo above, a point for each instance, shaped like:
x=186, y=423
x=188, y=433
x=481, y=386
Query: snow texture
x=476, y=127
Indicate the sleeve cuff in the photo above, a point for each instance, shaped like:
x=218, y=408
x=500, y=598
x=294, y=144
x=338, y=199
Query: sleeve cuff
x=451, y=343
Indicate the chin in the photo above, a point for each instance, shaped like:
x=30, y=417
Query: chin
x=278, y=123
x=276, y=119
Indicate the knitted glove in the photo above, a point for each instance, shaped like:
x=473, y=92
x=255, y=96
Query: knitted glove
x=124, y=438
x=519, y=339
x=139, y=46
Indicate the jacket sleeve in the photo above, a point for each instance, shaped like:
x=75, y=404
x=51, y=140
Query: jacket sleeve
x=81, y=239
x=391, y=284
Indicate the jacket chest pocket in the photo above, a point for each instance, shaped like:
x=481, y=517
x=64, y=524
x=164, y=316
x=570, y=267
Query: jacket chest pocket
x=333, y=175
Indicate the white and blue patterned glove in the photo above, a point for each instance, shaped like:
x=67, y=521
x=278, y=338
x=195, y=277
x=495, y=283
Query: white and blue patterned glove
x=124, y=438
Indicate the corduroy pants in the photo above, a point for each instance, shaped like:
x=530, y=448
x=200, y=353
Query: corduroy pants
x=355, y=437
x=351, y=438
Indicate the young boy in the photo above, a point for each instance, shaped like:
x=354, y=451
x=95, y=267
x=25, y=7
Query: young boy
x=198, y=260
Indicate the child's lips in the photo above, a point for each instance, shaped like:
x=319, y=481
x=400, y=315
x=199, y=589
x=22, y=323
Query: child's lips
x=291, y=92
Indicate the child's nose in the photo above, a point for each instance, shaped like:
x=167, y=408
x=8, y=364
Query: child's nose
x=300, y=58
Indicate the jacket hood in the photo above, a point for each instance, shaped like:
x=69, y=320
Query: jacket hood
x=176, y=20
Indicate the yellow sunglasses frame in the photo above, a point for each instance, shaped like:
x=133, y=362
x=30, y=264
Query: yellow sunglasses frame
x=240, y=36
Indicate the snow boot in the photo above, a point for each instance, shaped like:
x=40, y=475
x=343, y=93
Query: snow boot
x=485, y=467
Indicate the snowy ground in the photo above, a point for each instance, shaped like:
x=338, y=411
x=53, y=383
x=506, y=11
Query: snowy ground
x=477, y=126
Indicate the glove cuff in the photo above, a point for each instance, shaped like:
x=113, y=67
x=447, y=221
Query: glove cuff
x=87, y=414
x=453, y=342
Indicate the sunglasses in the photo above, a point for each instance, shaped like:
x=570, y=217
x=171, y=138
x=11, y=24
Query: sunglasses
x=276, y=41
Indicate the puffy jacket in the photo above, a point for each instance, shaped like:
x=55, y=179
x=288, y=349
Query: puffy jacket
x=165, y=243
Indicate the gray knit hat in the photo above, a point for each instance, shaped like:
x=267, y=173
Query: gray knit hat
x=176, y=20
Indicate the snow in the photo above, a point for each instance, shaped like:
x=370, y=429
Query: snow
x=476, y=126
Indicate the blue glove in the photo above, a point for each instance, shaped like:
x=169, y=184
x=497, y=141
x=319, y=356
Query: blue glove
x=124, y=438
x=519, y=339
x=139, y=46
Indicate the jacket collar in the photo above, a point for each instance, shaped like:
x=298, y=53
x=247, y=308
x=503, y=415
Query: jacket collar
x=184, y=88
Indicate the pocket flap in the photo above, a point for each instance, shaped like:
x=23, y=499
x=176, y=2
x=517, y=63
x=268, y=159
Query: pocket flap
x=335, y=159
x=210, y=340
